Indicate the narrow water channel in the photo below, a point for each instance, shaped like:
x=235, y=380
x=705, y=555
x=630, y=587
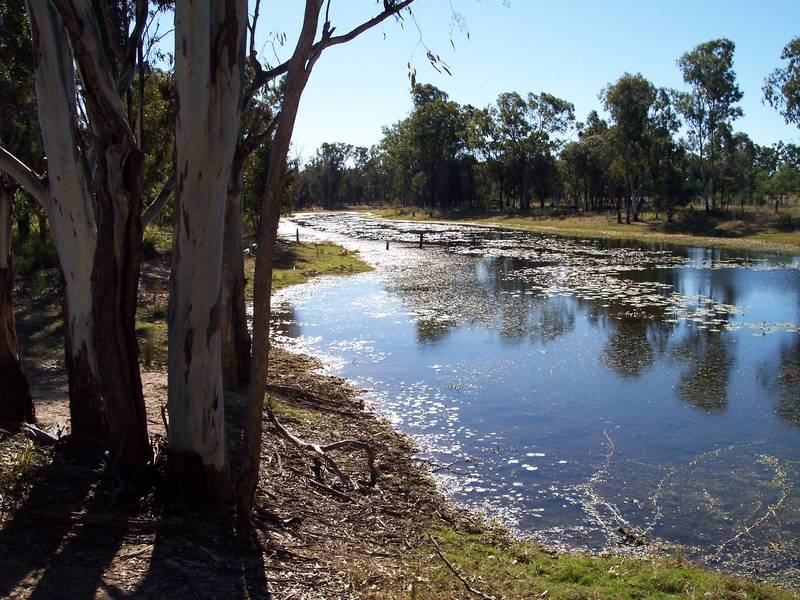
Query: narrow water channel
x=578, y=389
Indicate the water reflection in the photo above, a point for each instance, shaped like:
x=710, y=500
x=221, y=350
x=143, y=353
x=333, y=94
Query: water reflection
x=630, y=350
x=581, y=385
x=707, y=364
x=782, y=378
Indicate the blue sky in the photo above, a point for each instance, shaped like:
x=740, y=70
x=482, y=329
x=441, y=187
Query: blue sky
x=569, y=48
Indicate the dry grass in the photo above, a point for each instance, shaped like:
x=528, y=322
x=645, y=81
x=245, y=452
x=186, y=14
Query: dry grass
x=758, y=229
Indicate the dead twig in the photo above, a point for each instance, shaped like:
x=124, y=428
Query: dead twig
x=458, y=575
x=321, y=457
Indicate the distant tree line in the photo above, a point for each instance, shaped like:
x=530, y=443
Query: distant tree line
x=659, y=148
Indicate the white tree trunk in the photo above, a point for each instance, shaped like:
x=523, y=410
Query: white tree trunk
x=69, y=205
x=209, y=42
x=94, y=224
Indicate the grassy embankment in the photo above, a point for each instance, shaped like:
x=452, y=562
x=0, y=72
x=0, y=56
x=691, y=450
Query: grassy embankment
x=758, y=229
x=293, y=264
x=505, y=568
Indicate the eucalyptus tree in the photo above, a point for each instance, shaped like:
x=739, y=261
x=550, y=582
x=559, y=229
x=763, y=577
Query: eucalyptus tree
x=92, y=194
x=298, y=69
x=629, y=102
x=738, y=173
x=523, y=135
x=426, y=145
x=329, y=165
x=210, y=43
x=483, y=138
x=587, y=162
x=665, y=159
x=709, y=105
x=782, y=86
x=514, y=133
x=551, y=118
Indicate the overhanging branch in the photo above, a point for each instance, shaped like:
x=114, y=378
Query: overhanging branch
x=31, y=182
x=389, y=11
x=129, y=58
x=263, y=76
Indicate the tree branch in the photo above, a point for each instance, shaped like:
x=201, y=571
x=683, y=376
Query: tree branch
x=319, y=453
x=254, y=140
x=389, y=11
x=157, y=205
x=264, y=76
x=129, y=59
x=31, y=182
x=103, y=101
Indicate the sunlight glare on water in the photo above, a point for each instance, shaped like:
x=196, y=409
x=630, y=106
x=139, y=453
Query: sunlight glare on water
x=577, y=388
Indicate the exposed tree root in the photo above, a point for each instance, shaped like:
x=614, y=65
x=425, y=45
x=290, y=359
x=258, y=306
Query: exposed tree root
x=319, y=454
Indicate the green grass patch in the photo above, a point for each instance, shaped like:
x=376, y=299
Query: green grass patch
x=156, y=240
x=285, y=410
x=151, y=329
x=509, y=569
x=297, y=263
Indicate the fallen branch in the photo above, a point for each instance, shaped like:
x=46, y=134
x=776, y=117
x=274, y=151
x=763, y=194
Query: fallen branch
x=309, y=398
x=321, y=457
x=330, y=490
x=458, y=575
x=34, y=433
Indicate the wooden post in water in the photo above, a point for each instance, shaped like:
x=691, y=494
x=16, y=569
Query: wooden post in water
x=420, y=240
x=387, y=244
x=297, y=235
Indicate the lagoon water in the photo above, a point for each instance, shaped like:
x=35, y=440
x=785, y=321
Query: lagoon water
x=578, y=389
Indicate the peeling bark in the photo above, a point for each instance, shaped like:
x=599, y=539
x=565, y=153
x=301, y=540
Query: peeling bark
x=93, y=204
x=15, y=398
x=209, y=41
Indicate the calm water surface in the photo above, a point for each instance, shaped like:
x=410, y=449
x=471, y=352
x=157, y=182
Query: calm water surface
x=573, y=388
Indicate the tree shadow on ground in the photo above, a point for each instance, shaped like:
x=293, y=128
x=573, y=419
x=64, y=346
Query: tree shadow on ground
x=81, y=533
x=43, y=547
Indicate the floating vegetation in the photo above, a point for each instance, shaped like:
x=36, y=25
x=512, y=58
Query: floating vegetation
x=590, y=395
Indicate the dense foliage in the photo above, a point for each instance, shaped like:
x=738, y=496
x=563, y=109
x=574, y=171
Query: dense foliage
x=657, y=148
